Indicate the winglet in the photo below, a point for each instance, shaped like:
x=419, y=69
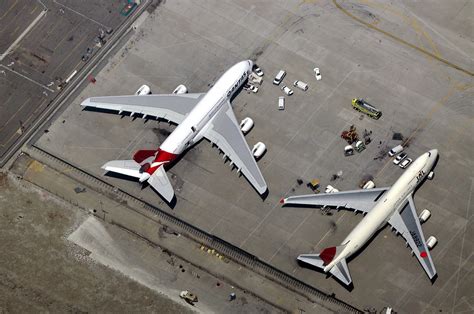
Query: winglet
x=282, y=200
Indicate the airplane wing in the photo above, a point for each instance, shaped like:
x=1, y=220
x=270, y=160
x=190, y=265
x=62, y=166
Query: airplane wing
x=172, y=107
x=225, y=133
x=359, y=200
x=408, y=225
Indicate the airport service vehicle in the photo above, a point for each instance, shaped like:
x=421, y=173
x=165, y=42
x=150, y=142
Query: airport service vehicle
x=364, y=107
x=251, y=88
x=255, y=79
x=359, y=146
x=287, y=90
x=246, y=125
x=143, y=90
x=188, y=296
x=258, y=71
x=258, y=150
x=399, y=158
x=405, y=163
x=393, y=205
x=348, y=150
x=180, y=89
x=279, y=77
x=397, y=149
x=331, y=189
x=198, y=115
x=301, y=85
x=317, y=74
x=281, y=103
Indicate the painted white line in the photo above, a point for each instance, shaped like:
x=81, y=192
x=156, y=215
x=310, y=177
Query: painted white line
x=15, y=43
x=27, y=78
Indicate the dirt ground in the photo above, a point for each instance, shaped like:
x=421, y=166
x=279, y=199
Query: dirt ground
x=41, y=271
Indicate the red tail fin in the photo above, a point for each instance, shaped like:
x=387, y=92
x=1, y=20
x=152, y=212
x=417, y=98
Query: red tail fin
x=141, y=155
x=328, y=254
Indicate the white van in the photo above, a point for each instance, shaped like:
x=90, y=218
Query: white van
x=281, y=103
x=279, y=77
x=397, y=149
x=301, y=85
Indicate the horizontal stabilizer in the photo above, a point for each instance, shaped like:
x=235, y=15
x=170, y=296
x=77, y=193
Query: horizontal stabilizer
x=341, y=272
x=125, y=167
x=160, y=182
x=311, y=259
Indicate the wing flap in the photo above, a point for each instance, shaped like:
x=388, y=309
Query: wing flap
x=225, y=133
x=171, y=107
x=408, y=225
x=361, y=200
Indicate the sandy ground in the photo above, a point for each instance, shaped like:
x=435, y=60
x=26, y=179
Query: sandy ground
x=40, y=270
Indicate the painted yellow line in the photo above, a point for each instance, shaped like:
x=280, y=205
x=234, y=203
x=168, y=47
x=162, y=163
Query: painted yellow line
x=450, y=64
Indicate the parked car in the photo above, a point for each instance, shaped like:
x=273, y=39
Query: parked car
x=287, y=90
x=301, y=85
x=279, y=77
x=399, y=158
x=405, y=163
x=397, y=149
x=317, y=74
x=258, y=71
x=281, y=103
x=251, y=88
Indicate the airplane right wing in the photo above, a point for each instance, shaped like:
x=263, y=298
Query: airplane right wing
x=359, y=200
x=172, y=107
x=226, y=134
x=408, y=225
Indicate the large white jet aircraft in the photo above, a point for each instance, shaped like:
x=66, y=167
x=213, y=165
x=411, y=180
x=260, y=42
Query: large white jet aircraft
x=393, y=205
x=199, y=115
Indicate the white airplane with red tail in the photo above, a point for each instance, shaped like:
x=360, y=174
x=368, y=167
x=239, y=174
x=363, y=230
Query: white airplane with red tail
x=200, y=115
x=393, y=205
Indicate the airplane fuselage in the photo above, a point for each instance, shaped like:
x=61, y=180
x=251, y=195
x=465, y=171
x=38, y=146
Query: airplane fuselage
x=190, y=130
x=193, y=127
x=390, y=202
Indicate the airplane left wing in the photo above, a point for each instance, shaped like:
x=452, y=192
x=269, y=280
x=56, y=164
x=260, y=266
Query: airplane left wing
x=408, y=225
x=359, y=200
x=172, y=107
x=226, y=134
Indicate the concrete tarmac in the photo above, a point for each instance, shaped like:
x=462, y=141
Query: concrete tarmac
x=428, y=101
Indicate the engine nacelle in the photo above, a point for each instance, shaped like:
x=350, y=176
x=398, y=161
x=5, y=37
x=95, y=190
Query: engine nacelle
x=180, y=89
x=369, y=185
x=431, y=242
x=430, y=175
x=258, y=150
x=246, y=125
x=424, y=215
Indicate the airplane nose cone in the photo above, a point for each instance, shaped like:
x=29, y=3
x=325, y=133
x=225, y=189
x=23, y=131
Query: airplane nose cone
x=145, y=176
x=434, y=153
